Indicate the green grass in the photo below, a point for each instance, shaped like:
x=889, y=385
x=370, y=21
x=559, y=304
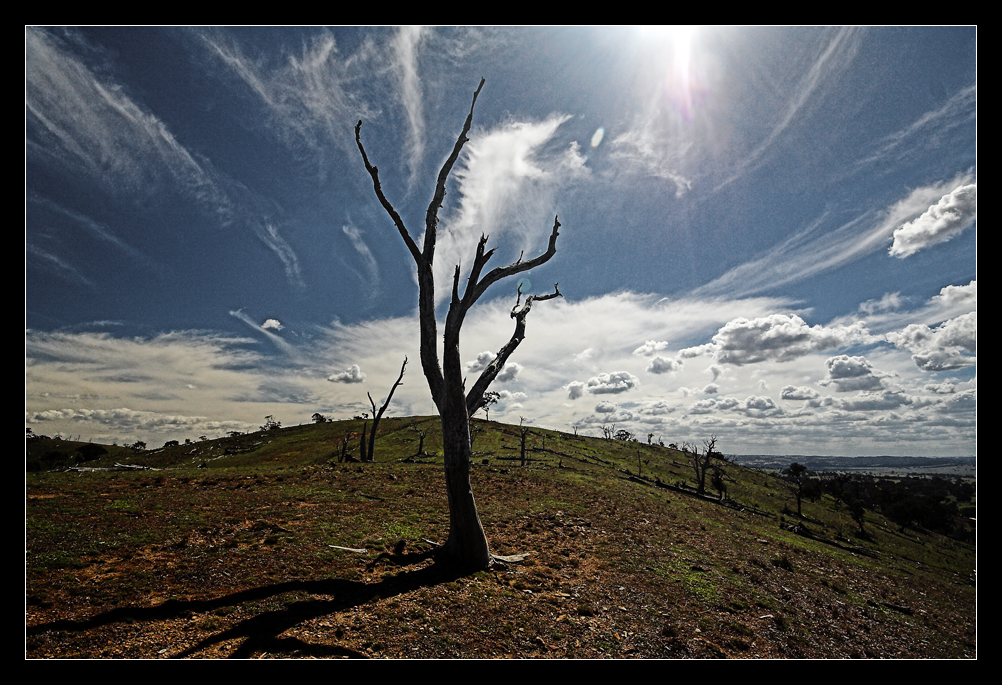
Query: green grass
x=616, y=567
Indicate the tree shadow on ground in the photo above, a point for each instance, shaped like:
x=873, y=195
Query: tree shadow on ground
x=262, y=633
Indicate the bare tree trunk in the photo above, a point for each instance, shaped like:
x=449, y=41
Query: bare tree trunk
x=524, y=430
x=376, y=416
x=467, y=543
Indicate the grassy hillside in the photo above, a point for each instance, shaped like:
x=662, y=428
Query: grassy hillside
x=265, y=545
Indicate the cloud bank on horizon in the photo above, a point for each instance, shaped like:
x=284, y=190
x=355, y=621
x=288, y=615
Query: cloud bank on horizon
x=764, y=236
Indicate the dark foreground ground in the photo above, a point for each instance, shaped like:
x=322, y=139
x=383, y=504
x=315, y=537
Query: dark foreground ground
x=244, y=559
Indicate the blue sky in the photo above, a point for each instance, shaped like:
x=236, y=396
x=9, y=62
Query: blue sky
x=768, y=234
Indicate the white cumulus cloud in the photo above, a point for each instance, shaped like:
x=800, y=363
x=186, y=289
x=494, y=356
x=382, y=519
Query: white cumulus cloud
x=954, y=212
x=778, y=337
x=508, y=372
x=849, y=374
x=612, y=383
x=803, y=392
x=661, y=365
x=350, y=375
x=575, y=389
x=950, y=345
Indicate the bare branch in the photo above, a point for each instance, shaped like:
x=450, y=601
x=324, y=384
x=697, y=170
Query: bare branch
x=397, y=221
x=518, y=267
x=455, y=287
x=376, y=416
x=556, y=293
x=479, y=262
x=431, y=219
x=474, y=399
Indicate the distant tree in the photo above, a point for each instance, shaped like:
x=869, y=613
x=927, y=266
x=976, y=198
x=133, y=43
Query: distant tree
x=858, y=512
x=797, y=475
x=53, y=458
x=524, y=433
x=234, y=434
x=138, y=445
x=835, y=484
x=421, y=434
x=90, y=452
x=717, y=481
x=270, y=424
x=624, y=435
x=489, y=400
x=171, y=443
x=342, y=445
x=377, y=415
x=34, y=437
x=702, y=462
x=319, y=418
x=363, y=455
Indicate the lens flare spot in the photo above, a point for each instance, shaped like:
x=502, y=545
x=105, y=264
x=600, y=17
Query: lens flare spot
x=597, y=137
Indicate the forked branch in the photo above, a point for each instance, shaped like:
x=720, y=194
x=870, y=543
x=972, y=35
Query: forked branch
x=376, y=416
x=475, y=398
x=475, y=288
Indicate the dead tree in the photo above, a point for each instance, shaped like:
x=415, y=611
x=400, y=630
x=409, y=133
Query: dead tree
x=701, y=463
x=524, y=433
x=344, y=452
x=797, y=474
x=420, y=449
x=377, y=415
x=467, y=543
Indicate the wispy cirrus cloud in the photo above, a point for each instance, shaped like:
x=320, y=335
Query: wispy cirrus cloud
x=95, y=228
x=812, y=251
x=308, y=94
x=52, y=263
x=928, y=130
x=265, y=329
x=78, y=121
x=507, y=186
x=368, y=260
x=648, y=147
x=832, y=58
x=405, y=45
